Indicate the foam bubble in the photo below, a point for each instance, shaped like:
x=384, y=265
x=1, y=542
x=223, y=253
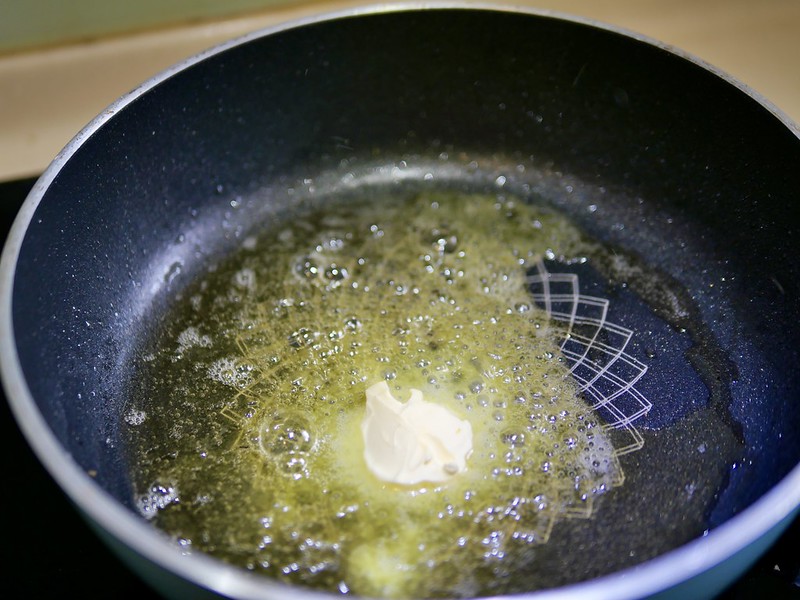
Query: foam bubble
x=190, y=338
x=245, y=279
x=135, y=417
x=231, y=372
x=158, y=497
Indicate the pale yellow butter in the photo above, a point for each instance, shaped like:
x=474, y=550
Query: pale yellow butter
x=413, y=442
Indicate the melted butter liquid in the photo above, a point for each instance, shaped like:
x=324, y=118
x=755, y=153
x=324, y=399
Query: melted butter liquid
x=246, y=438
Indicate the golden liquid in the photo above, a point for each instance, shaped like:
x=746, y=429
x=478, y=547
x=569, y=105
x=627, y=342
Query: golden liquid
x=247, y=435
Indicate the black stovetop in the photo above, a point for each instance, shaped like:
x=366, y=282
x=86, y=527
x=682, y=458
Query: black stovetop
x=58, y=555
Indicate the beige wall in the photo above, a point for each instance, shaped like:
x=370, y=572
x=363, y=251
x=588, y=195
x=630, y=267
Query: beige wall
x=26, y=24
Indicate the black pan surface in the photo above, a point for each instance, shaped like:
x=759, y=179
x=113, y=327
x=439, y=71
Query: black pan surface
x=690, y=184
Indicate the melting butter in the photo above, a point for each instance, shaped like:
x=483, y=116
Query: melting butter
x=256, y=431
x=415, y=442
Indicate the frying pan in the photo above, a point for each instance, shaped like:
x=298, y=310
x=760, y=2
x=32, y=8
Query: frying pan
x=685, y=178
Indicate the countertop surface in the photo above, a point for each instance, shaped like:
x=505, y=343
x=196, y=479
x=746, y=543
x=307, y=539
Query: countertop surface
x=47, y=96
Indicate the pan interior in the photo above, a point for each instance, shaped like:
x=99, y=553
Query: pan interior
x=690, y=434
x=686, y=185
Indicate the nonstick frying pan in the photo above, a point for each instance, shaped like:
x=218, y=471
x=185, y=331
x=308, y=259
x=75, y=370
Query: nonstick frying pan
x=685, y=179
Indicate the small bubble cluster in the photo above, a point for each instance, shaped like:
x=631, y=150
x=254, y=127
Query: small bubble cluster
x=134, y=417
x=191, y=338
x=231, y=372
x=286, y=440
x=157, y=498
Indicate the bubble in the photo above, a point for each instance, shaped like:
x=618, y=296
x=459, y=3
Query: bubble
x=230, y=372
x=443, y=241
x=294, y=466
x=190, y=338
x=336, y=274
x=135, y=417
x=158, y=497
x=302, y=337
x=288, y=441
x=245, y=279
x=352, y=324
x=308, y=268
x=287, y=435
x=513, y=438
x=173, y=271
x=476, y=387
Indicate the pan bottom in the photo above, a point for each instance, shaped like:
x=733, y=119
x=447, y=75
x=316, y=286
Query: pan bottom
x=671, y=485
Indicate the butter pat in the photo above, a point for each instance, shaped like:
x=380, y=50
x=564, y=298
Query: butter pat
x=413, y=442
